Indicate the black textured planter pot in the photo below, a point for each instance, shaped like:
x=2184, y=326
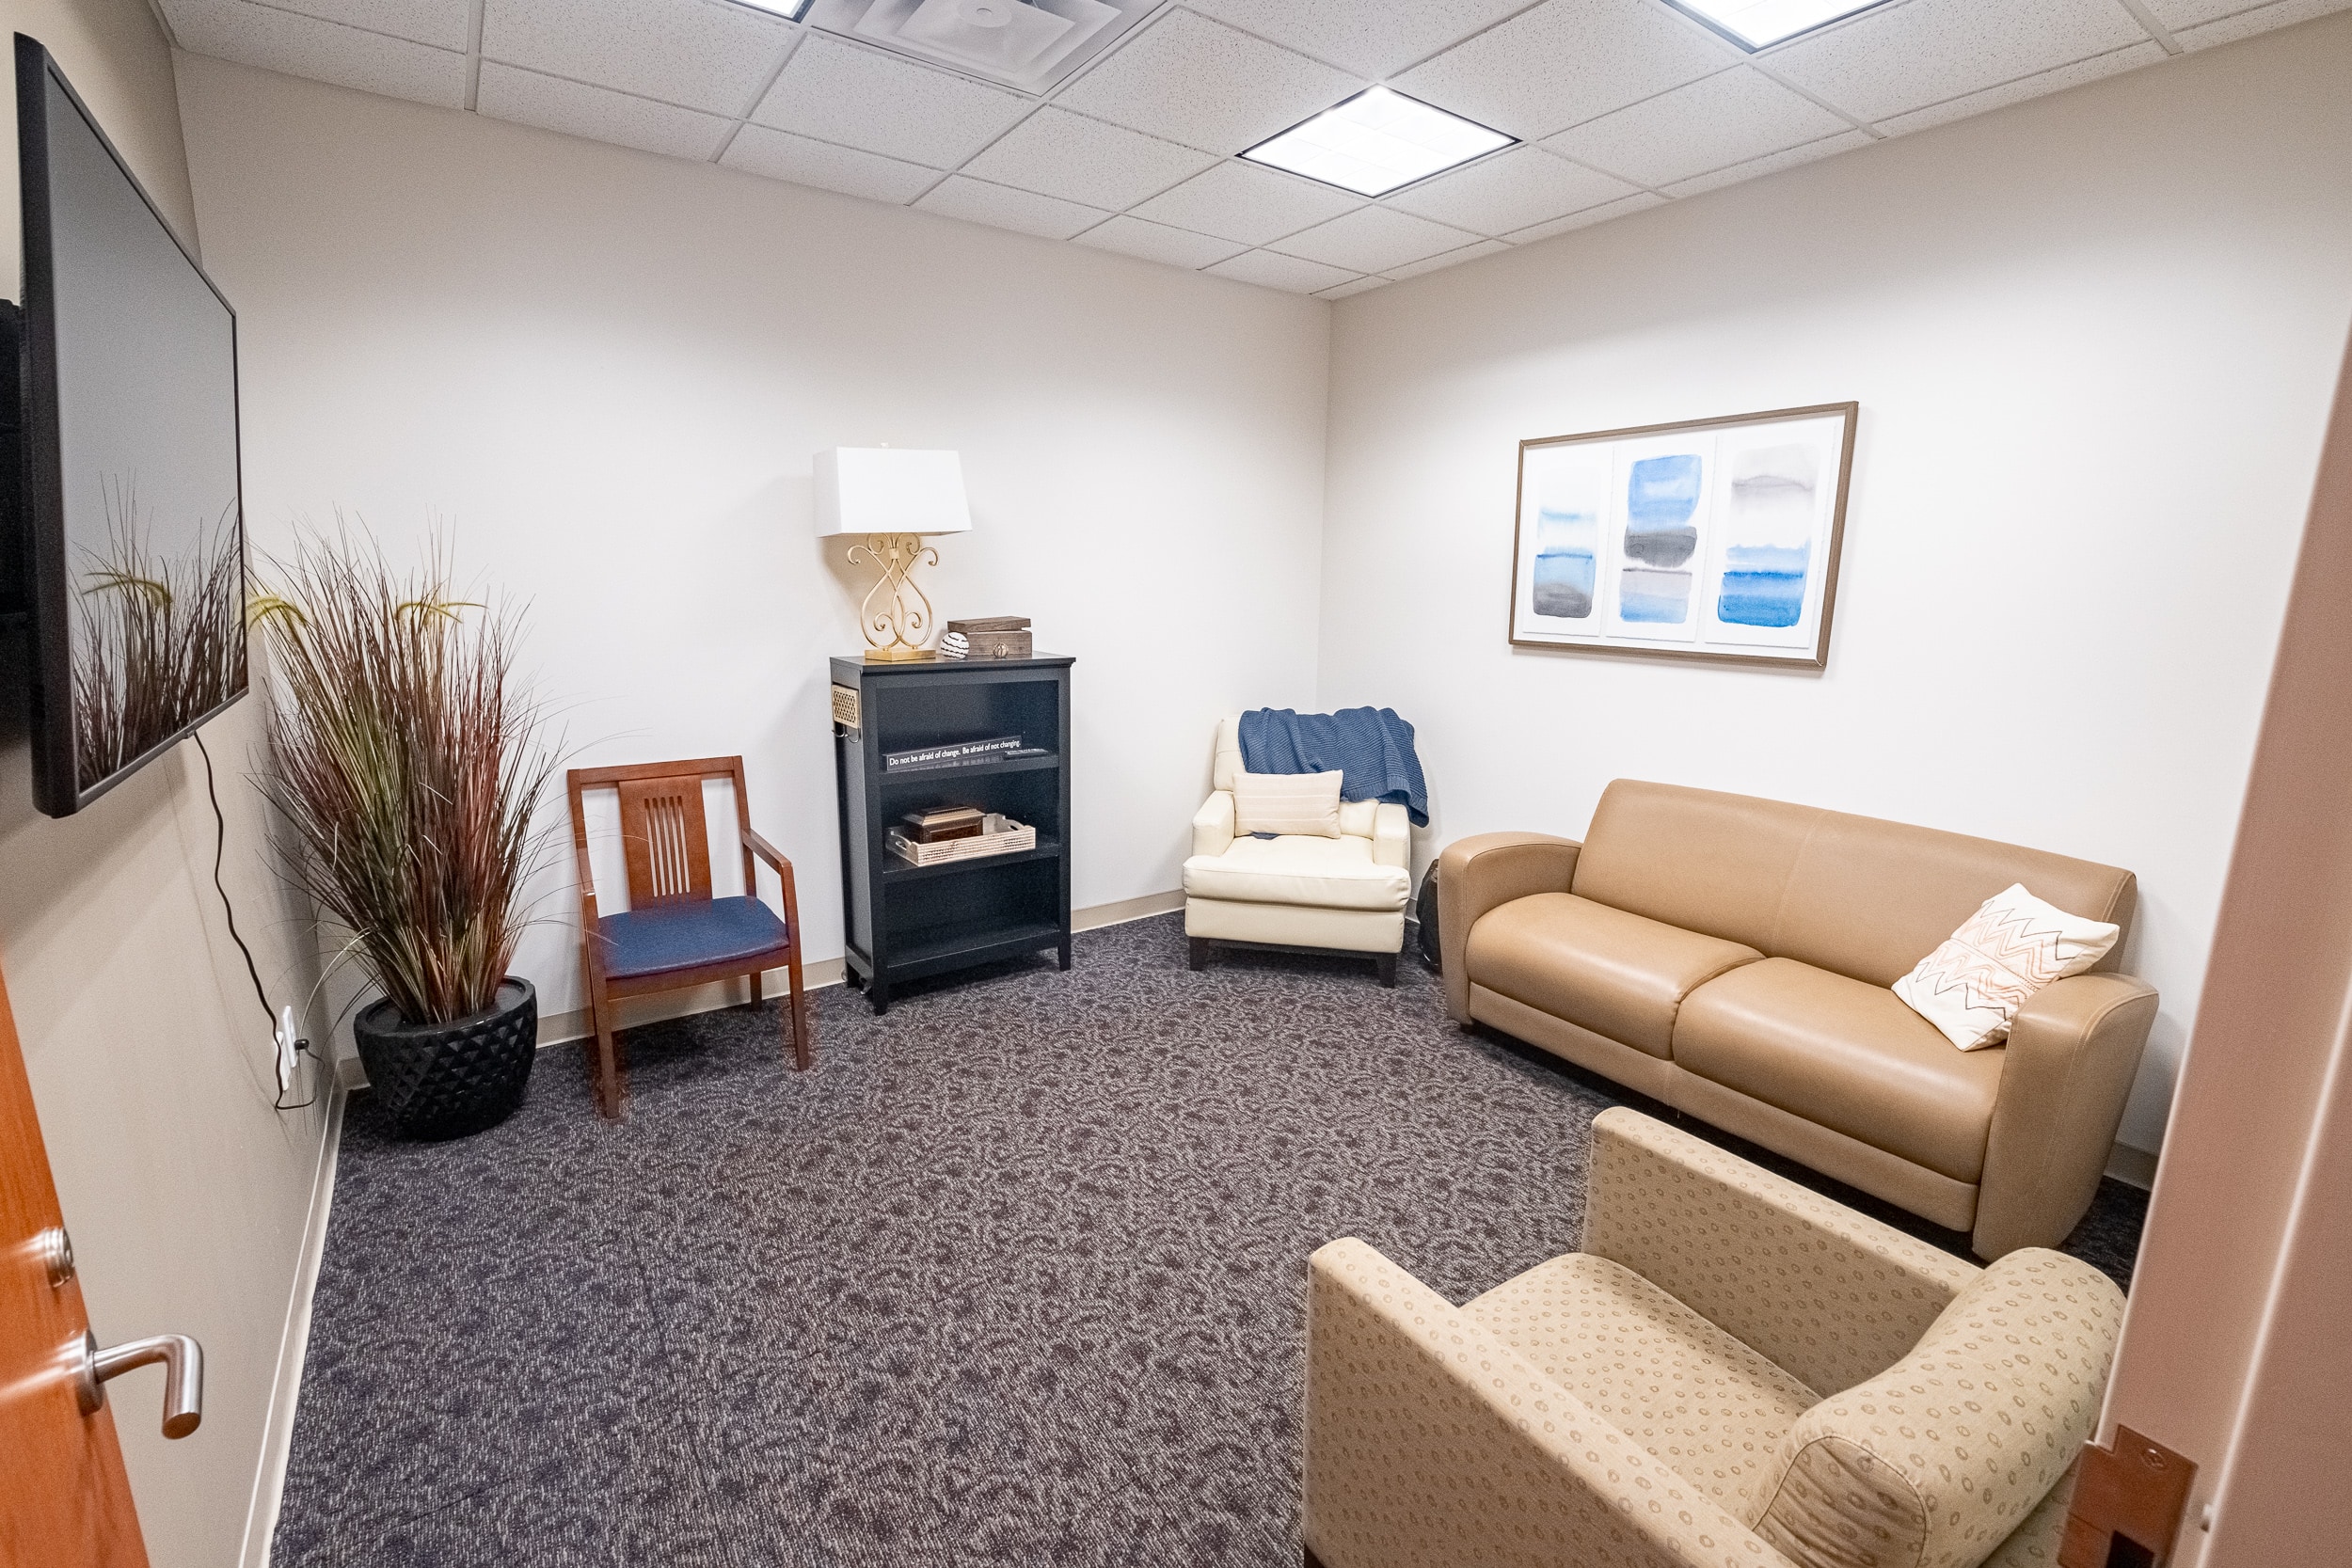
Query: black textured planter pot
x=447, y=1080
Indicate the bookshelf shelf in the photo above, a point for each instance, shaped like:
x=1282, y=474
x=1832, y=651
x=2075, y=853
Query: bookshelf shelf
x=905, y=922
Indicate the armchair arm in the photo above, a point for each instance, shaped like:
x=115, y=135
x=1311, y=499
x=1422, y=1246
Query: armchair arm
x=1212, y=824
x=767, y=851
x=1430, y=1440
x=1392, y=835
x=2074, y=1049
x=1830, y=1296
x=1482, y=872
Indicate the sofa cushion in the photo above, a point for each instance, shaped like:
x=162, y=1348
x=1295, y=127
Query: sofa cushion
x=1615, y=974
x=1700, y=1401
x=1936, y=1461
x=1324, y=873
x=1848, y=1055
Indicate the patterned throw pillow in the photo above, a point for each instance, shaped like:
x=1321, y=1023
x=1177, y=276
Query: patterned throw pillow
x=2015, y=944
x=1287, y=803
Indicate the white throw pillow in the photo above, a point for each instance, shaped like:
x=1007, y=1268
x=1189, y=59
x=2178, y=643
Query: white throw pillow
x=2015, y=944
x=1287, y=803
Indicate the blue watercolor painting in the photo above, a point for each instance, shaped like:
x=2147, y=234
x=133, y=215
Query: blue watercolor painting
x=1662, y=499
x=1769, y=537
x=1567, y=549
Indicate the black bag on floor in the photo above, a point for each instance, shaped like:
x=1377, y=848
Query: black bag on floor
x=1425, y=915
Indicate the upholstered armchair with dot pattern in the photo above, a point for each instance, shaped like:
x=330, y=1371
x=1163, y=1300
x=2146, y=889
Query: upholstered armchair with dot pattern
x=1735, y=1373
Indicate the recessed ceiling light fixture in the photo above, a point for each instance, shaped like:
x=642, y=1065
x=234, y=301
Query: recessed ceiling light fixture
x=791, y=11
x=1377, y=142
x=1754, y=24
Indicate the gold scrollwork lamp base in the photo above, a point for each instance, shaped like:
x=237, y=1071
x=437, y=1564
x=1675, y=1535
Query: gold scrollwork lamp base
x=896, y=616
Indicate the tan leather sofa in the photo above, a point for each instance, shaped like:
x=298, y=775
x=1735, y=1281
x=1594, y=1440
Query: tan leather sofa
x=1735, y=1373
x=1731, y=957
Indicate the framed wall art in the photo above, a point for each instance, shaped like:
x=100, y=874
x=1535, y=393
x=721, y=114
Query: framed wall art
x=1717, y=539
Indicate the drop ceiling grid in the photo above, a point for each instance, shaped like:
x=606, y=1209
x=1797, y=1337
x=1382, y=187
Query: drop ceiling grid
x=1114, y=148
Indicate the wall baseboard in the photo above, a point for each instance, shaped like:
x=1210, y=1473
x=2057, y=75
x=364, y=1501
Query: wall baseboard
x=2134, y=1168
x=269, y=1478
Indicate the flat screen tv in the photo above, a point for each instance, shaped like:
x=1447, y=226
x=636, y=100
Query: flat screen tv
x=128, y=556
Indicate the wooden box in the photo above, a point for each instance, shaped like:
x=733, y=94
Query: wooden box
x=997, y=637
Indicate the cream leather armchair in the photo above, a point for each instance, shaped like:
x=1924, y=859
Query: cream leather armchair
x=1735, y=1373
x=1343, y=895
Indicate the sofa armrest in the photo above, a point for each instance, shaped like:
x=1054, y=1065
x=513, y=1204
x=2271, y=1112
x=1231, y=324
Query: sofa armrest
x=1392, y=836
x=1830, y=1296
x=2074, y=1049
x=1430, y=1440
x=1212, y=824
x=1481, y=873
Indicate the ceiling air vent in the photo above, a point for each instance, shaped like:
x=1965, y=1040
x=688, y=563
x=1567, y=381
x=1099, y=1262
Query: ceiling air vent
x=1028, y=44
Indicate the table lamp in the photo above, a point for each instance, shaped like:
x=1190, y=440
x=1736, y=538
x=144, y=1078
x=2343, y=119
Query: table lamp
x=895, y=497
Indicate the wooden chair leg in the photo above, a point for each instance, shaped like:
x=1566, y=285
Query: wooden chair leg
x=610, y=1066
x=1195, y=954
x=1387, y=969
x=796, y=1016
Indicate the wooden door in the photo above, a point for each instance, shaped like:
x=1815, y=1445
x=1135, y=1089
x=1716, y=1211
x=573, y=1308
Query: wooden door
x=64, y=1502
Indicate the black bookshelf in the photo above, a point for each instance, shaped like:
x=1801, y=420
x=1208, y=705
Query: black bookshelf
x=908, y=921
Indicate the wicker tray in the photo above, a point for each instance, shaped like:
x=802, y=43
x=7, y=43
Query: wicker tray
x=1017, y=837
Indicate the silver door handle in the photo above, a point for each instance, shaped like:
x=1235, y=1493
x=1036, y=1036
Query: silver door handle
x=183, y=1376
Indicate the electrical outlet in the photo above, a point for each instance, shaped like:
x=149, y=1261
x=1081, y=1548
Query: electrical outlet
x=288, y=1058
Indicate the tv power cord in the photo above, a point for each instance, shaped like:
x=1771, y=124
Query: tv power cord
x=290, y=1047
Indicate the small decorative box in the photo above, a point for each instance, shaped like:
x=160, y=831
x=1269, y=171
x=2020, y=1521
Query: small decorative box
x=997, y=637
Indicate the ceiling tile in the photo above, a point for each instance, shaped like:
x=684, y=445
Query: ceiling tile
x=1196, y=82
x=2262, y=20
x=1447, y=258
x=1585, y=219
x=1905, y=58
x=1002, y=207
x=1158, y=242
x=322, y=51
x=838, y=92
x=439, y=23
x=1371, y=40
x=1059, y=154
x=1569, y=61
x=1287, y=272
x=1509, y=191
x=2177, y=14
x=1249, y=204
x=1770, y=164
x=781, y=156
x=1707, y=124
x=1361, y=286
x=1373, y=239
x=600, y=114
x=2023, y=88
x=707, y=56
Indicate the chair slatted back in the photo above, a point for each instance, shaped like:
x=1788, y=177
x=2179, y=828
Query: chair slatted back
x=667, y=841
x=665, y=836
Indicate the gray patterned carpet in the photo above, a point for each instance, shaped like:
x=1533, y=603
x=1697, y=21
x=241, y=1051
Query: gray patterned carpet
x=1014, y=1276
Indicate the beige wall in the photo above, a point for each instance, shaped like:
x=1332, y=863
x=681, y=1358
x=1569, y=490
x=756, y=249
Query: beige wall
x=2093, y=336
x=604, y=373
x=150, y=1061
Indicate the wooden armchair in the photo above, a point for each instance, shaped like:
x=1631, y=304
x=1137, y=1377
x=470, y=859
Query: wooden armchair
x=674, y=934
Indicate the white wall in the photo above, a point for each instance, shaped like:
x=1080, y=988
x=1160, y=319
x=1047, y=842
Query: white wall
x=150, y=1061
x=604, y=372
x=2094, y=338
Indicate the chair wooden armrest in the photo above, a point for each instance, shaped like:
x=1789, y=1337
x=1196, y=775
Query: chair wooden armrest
x=768, y=852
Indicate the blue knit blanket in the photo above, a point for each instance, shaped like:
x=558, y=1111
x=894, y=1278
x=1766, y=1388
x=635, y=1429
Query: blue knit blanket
x=1372, y=746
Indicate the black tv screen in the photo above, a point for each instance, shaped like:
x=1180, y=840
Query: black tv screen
x=129, y=498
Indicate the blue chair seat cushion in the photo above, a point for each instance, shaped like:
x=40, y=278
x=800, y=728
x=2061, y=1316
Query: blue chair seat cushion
x=688, y=936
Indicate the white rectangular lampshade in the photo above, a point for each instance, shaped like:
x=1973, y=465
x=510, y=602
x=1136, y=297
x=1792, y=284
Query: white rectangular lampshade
x=890, y=490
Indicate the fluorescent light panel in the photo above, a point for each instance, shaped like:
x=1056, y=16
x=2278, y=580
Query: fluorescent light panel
x=1377, y=142
x=788, y=10
x=1758, y=24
